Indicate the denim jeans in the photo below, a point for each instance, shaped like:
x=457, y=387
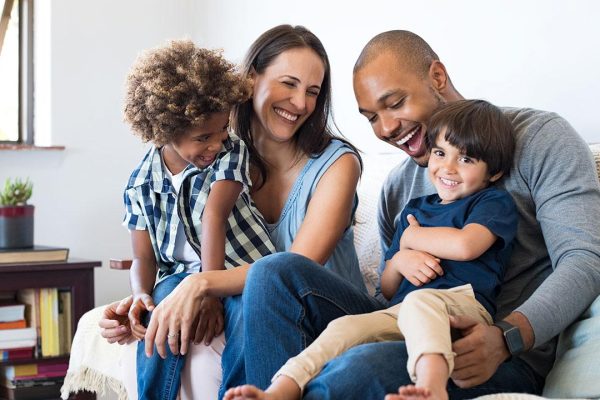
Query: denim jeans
x=158, y=378
x=288, y=301
x=232, y=361
x=286, y=304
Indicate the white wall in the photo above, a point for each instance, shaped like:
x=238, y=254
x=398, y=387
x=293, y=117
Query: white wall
x=541, y=54
x=78, y=191
x=521, y=53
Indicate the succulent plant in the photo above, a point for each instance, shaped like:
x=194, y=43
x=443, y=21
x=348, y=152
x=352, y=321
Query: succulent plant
x=16, y=193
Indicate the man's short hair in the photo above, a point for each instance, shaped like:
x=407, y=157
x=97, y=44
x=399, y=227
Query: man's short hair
x=410, y=49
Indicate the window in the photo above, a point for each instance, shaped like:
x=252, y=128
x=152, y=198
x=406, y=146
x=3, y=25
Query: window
x=16, y=71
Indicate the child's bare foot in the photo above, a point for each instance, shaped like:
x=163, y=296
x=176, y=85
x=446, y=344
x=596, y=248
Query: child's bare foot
x=245, y=392
x=412, y=392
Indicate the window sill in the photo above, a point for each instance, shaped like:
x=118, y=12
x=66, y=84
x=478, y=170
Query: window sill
x=20, y=147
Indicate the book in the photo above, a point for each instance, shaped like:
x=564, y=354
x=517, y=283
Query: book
x=31, y=299
x=17, y=334
x=13, y=324
x=19, y=353
x=64, y=321
x=33, y=254
x=11, y=311
x=49, y=322
x=17, y=344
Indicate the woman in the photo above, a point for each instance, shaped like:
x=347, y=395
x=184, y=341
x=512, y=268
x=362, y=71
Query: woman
x=304, y=182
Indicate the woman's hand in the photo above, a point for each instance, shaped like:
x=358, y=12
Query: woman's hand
x=176, y=317
x=115, y=322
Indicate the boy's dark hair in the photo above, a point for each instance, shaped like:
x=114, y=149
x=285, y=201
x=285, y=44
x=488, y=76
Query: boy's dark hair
x=172, y=88
x=477, y=128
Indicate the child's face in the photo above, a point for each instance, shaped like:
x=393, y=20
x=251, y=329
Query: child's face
x=201, y=143
x=454, y=174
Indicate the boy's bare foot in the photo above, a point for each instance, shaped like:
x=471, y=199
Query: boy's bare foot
x=412, y=392
x=248, y=392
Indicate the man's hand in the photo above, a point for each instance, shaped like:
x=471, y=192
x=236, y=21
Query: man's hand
x=210, y=321
x=479, y=352
x=417, y=266
x=141, y=304
x=115, y=323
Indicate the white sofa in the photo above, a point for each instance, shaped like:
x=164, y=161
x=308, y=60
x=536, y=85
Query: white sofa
x=95, y=365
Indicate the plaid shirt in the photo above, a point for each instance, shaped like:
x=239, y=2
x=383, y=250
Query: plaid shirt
x=151, y=204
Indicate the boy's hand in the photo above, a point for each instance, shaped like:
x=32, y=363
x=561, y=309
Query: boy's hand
x=413, y=224
x=417, y=266
x=114, y=323
x=210, y=321
x=141, y=303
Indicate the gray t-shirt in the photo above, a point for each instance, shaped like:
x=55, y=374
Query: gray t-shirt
x=554, y=271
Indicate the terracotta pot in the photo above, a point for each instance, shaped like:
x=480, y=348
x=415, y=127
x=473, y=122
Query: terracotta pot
x=16, y=227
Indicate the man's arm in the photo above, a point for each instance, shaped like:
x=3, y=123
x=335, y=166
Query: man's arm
x=560, y=174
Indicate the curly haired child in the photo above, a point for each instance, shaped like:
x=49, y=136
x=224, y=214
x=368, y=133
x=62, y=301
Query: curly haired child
x=187, y=203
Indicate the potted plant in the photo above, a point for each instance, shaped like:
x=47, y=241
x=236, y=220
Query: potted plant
x=16, y=216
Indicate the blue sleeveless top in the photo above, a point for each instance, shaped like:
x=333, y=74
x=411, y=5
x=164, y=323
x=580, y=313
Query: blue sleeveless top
x=344, y=260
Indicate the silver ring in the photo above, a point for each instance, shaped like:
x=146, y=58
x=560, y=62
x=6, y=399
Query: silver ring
x=171, y=335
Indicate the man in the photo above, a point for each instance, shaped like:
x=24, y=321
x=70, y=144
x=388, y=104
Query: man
x=553, y=276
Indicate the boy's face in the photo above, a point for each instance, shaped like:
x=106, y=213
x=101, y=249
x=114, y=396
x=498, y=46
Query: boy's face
x=454, y=174
x=200, y=144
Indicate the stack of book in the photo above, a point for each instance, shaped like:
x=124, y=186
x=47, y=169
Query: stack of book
x=16, y=339
x=32, y=381
x=35, y=254
x=48, y=311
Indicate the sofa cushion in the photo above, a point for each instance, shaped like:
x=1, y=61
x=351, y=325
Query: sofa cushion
x=576, y=372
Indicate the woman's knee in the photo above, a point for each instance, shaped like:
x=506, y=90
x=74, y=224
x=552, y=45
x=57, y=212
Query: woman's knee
x=276, y=267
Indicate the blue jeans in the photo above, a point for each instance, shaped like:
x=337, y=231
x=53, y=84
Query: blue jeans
x=288, y=301
x=232, y=360
x=285, y=307
x=158, y=378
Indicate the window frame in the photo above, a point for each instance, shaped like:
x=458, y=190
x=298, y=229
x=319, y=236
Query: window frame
x=25, y=134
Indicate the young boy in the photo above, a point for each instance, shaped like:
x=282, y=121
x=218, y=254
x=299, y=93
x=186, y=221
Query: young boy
x=188, y=206
x=447, y=258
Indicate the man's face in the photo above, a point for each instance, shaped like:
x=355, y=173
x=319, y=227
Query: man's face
x=398, y=104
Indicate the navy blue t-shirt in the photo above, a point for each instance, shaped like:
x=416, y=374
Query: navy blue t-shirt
x=492, y=208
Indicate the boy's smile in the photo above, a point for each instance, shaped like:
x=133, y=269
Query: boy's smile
x=454, y=174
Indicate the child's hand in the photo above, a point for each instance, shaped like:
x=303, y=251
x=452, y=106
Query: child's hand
x=141, y=304
x=417, y=266
x=114, y=323
x=210, y=322
x=412, y=225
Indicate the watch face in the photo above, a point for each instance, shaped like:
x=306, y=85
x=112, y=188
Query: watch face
x=514, y=341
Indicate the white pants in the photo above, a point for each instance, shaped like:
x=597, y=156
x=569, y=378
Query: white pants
x=422, y=320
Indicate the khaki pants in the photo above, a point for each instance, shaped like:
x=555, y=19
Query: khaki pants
x=422, y=320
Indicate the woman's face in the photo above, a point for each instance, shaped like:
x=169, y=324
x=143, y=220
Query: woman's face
x=285, y=94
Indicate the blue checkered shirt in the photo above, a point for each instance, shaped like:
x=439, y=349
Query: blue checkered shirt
x=152, y=204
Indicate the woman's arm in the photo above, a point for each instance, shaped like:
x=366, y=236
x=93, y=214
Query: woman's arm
x=329, y=210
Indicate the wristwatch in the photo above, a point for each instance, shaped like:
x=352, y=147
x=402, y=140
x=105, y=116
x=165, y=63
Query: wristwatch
x=512, y=338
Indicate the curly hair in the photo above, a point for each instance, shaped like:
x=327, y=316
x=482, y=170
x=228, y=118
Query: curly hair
x=172, y=88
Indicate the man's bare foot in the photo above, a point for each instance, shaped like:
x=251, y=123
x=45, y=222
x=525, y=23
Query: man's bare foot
x=247, y=392
x=412, y=392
